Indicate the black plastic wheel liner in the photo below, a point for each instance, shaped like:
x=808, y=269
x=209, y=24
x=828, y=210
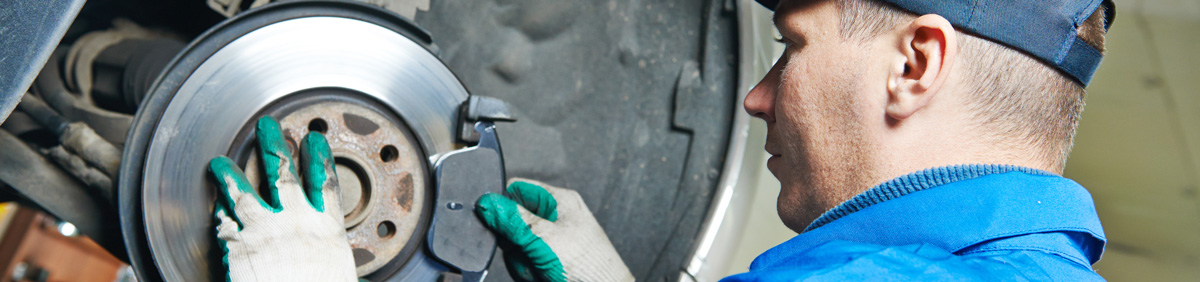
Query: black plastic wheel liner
x=628, y=102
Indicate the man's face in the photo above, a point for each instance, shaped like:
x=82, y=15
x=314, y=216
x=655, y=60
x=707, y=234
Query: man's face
x=816, y=112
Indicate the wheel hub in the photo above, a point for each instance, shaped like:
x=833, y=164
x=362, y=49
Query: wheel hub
x=379, y=166
x=350, y=71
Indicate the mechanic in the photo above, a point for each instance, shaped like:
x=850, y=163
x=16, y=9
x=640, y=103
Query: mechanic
x=914, y=140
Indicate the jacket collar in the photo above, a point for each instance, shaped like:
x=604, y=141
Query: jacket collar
x=971, y=204
x=914, y=182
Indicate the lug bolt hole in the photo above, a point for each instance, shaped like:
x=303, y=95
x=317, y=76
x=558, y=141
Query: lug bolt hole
x=318, y=125
x=389, y=153
x=386, y=229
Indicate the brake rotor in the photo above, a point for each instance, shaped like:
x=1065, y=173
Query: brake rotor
x=362, y=76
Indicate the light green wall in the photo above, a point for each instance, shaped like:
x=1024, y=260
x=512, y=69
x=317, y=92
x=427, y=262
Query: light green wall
x=1139, y=140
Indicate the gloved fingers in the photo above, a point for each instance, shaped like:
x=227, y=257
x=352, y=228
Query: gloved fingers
x=320, y=179
x=227, y=229
x=534, y=198
x=518, y=264
x=504, y=217
x=226, y=225
x=234, y=192
x=282, y=184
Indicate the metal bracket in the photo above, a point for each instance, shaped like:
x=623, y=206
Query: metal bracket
x=479, y=108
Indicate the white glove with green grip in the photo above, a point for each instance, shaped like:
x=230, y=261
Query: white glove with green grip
x=548, y=234
x=290, y=233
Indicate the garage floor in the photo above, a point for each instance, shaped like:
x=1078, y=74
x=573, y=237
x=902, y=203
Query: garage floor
x=1137, y=149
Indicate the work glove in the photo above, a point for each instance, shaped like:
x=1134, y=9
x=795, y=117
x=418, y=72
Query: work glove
x=290, y=233
x=548, y=234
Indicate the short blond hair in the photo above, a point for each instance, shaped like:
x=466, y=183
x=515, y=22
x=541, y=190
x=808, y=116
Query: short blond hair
x=1018, y=98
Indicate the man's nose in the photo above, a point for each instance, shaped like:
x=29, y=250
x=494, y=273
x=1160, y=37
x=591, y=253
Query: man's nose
x=760, y=102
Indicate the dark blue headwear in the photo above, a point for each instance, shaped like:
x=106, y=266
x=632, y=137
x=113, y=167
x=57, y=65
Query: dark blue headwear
x=1045, y=29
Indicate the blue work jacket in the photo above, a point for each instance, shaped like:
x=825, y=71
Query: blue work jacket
x=956, y=223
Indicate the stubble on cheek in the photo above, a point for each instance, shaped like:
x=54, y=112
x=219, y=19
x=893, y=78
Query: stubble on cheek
x=822, y=128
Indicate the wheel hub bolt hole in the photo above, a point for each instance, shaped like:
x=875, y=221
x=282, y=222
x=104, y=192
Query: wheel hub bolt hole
x=389, y=153
x=386, y=229
x=318, y=125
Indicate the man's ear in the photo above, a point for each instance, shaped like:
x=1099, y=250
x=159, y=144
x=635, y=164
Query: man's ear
x=928, y=48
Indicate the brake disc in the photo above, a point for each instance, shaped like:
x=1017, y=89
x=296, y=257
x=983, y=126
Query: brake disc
x=362, y=76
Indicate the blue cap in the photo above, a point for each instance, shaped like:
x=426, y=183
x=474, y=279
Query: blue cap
x=1045, y=29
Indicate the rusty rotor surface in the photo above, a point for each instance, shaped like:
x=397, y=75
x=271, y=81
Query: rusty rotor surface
x=380, y=173
x=291, y=50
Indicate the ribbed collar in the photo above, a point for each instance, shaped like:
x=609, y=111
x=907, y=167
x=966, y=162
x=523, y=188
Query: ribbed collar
x=914, y=182
x=957, y=208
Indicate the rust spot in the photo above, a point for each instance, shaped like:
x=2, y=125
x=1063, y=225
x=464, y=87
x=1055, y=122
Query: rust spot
x=287, y=137
x=359, y=125
x=404, y=195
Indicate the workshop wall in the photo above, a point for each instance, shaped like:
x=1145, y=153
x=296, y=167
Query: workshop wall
x=1139, y=142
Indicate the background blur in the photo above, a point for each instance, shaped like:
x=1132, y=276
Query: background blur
x=1136, y=150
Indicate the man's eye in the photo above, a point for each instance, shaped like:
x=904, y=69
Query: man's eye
x=780, y=40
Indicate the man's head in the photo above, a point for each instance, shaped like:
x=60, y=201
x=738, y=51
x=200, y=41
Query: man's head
x=866, y=91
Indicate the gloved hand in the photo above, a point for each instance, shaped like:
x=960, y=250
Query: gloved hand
x=548, y=234
x=290, y=233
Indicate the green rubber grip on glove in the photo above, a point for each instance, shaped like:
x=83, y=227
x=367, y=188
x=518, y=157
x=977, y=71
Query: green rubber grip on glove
x=229, y=176
x=503, y=217
x=534, y=198
x=318, y=159
x=276, y=157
